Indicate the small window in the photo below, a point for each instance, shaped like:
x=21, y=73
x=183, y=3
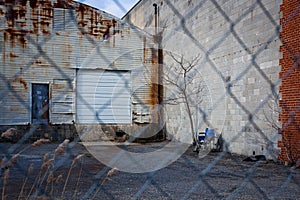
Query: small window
x=63, y=19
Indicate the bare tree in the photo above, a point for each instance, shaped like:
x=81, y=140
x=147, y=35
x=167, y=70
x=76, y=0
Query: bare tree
x=271, y=118
x=182, y=76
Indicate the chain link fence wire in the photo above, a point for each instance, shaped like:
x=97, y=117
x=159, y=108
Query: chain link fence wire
x=68, y=171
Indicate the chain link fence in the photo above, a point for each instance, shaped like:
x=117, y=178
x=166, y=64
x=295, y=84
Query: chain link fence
x=71, y=169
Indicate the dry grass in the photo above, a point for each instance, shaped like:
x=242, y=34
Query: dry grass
x=69, y=172
x=40, y=142
x=6, y=166
x=110, y=173
x=45, y=181
x=10, y=134
x=30, y=170
x=5, y=180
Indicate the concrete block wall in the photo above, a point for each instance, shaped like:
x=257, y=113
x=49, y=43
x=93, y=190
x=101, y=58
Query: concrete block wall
x=238, y=41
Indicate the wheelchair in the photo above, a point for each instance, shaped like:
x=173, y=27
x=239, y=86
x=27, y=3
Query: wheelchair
x=203, y=142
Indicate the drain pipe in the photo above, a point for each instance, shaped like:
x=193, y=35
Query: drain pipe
x=155, y=18
x=160, y=69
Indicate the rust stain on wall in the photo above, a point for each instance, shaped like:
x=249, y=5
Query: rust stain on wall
x=93, y=23
x=20, y=81
x=36, y=17
x=154, y=86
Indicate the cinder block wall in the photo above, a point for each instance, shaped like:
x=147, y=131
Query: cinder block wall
x=238, y=41
x=290, y=88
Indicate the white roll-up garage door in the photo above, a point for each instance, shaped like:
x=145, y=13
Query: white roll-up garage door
x=103, y=97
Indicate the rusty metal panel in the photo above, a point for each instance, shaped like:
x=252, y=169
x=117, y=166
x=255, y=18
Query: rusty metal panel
x=142, y=107
x=129, y=50
x=64, y=20
x=63, y=101
x=13, y=104
x=46, y=41
x=126, y=52
x=29, y=55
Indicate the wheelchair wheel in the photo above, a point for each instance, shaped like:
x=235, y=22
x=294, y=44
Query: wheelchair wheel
x=204, y=149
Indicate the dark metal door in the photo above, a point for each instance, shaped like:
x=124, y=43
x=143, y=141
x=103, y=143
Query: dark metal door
x=40, y=103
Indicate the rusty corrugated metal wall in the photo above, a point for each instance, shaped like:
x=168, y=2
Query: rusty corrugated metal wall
x=45, y=42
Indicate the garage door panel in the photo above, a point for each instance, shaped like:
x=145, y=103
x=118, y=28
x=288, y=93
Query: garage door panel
x=107, y=112
x=104, y=97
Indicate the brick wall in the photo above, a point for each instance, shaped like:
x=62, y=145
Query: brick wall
x=290, y=87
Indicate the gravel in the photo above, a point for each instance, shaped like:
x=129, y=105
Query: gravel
x=218, y=175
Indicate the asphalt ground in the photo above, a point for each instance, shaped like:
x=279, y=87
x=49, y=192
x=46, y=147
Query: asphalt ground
x=218, y=175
